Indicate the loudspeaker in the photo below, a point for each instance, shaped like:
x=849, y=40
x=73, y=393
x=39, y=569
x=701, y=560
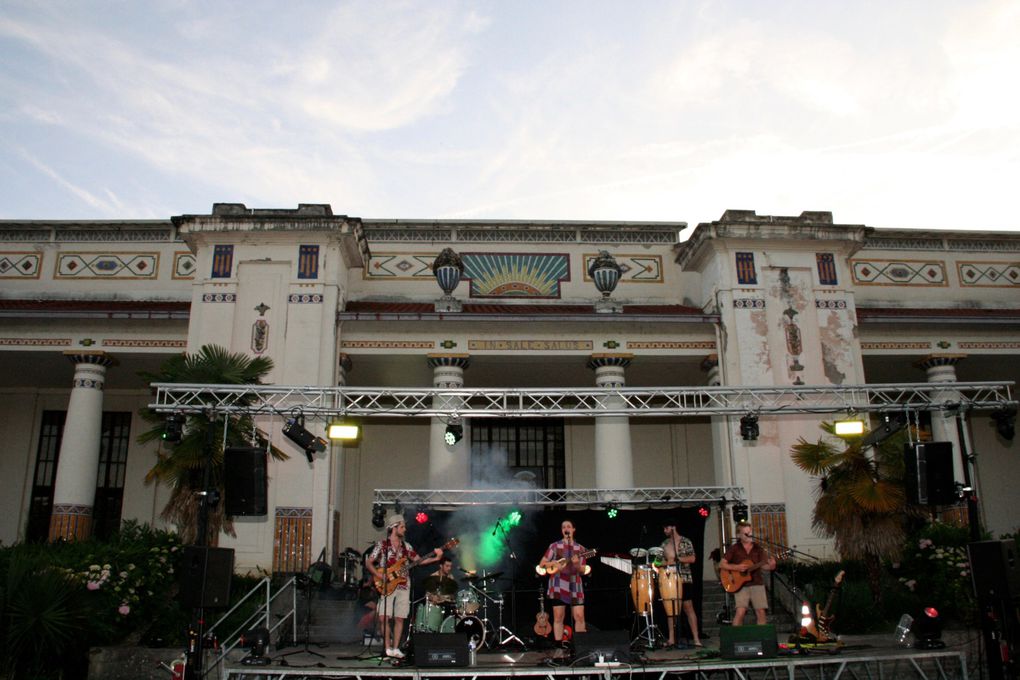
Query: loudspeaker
x=600, y=646
x=205, y=579
x=748, y=642
x=244, y=481
x=440, y=649
x=994, y=569
x=929, y=473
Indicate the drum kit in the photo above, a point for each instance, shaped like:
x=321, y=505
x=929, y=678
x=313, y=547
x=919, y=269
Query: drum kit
x=467, y=611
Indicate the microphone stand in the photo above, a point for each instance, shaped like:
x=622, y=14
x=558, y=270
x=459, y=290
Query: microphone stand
x=506, y=635
x=790, y=550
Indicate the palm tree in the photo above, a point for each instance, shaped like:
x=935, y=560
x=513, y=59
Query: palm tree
x=181, y=466
x=861, y=502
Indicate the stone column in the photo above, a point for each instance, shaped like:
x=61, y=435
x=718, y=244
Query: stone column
x=74, y=490
x=721, y=453
x=614, y=465
x=941, y=368
x=449, y=465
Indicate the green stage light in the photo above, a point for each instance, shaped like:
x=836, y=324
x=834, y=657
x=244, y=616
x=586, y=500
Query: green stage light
x=612, y=511
x=514, y=518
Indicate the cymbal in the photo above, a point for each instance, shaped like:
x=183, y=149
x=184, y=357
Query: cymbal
x=488, y=577
x=638, y=552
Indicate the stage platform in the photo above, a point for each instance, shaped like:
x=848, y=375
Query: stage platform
x=875, y=657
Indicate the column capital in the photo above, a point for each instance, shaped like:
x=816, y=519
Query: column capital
x=604, y=359
x=937, y=360
x=457, y=360
x=86, y=356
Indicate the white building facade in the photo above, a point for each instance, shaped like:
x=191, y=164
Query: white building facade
x=747, y=300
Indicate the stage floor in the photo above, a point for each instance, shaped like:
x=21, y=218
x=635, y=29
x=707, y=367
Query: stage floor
x=859, y=656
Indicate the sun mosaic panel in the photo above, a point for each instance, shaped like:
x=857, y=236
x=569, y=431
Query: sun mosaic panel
x=107, y=266
x=498, y=275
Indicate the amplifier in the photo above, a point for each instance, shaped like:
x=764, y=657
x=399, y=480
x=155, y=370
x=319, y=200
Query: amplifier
x=748, y=642
x=440, y=649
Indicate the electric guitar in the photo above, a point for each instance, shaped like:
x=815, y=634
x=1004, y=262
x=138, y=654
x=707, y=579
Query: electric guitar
x=555, y=566
x=732, y=581
x=821, y=627
x=391, y=578
x=542, y=625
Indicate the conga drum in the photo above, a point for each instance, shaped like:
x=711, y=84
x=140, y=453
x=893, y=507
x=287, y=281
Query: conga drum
x=671, y=590
x=642, y=587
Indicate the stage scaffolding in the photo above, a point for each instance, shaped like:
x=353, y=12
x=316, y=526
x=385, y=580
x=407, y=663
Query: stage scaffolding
x=330, y=402
x=438, y=498
x=929, y=665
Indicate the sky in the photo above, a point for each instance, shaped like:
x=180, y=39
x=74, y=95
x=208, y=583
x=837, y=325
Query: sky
x=891, y=113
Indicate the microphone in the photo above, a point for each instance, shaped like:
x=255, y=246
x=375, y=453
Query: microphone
x=496, y=528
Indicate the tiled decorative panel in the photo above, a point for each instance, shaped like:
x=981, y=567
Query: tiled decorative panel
x=223, y=261
x=107, y=266
x=874, y=272
x=184, y=265
x=308, y=262
x=633, y=268
x=746, y=274
x=292, y=542
x=989, y=274
x=15, y=265
x=826, y=269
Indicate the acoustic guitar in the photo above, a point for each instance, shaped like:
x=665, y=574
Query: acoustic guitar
x=821, y=627
x=542, y=625
x=391, y=580
x=732, y=581
x=557, y=565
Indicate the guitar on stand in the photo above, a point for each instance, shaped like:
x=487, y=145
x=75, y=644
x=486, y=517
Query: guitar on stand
x=542, y=625
x=390, y=579
x=819, y=628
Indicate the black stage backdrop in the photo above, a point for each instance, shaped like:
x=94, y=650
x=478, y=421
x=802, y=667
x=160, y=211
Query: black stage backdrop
x=608, y=603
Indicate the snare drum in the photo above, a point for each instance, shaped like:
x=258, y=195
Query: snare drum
x=671, y=590
x=642, y=588
x=472, y=625
x=428, y=618
x=467, y=602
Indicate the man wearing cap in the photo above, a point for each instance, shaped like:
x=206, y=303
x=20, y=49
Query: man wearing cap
x=390, y=561
x=678, y=552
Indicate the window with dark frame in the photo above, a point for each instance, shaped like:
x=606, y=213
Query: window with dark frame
x=534, y=449
x=115, y=439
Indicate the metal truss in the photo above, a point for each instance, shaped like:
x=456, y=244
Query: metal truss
x=587, y=497
x=328, y=402
x=904, y=665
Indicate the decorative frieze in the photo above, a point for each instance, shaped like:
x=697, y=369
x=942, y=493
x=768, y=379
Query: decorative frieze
x=749, y=303
x=875, y=272
x=919, y=345
x=305, y=298
x=35, y=342
x=671, y=345
x=229, y=298
x=634, y=268
x=80, y=265
x=20, y=265
x=989, y=274
x=143, y=344
x=184, y=265
x=387, y=344
x=830, y=304
x=531, y=345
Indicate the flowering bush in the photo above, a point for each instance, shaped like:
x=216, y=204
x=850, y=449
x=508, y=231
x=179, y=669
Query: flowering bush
x=936, y=569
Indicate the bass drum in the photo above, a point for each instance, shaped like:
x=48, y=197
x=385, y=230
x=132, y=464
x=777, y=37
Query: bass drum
x=472, y=625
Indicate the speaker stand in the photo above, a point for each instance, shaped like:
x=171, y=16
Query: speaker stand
x=308, y=622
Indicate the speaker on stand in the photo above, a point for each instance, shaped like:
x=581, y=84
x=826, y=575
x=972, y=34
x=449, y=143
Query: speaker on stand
x=245, y=484
x=929, y=473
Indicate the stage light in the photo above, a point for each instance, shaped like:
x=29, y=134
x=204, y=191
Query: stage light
x=173, y=429
x=422, y=516
x=927, y=630
x=888, y=428
x=296, y=432
x=851, y=427
x=749, y=428
x=514, y=518
x=454, y=433
x=344, y=430
x=1005, y=422
x=704, y=511
x=256, y=640
x=739, y=512
x=806, y=619
x=378, y=516
x=612, y=511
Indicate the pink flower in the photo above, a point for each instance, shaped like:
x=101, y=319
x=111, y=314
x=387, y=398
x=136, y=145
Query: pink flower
x=92, y=585
x=123, y=610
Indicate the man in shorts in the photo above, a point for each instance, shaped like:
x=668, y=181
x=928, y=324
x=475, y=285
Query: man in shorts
x=747, y=557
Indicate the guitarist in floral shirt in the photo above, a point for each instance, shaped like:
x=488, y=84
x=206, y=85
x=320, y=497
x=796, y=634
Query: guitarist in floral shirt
x=566, y=560
x=390, y=561
x=748, y=558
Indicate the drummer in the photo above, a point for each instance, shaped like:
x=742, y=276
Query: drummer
x=441, y=586
x=678, y=554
